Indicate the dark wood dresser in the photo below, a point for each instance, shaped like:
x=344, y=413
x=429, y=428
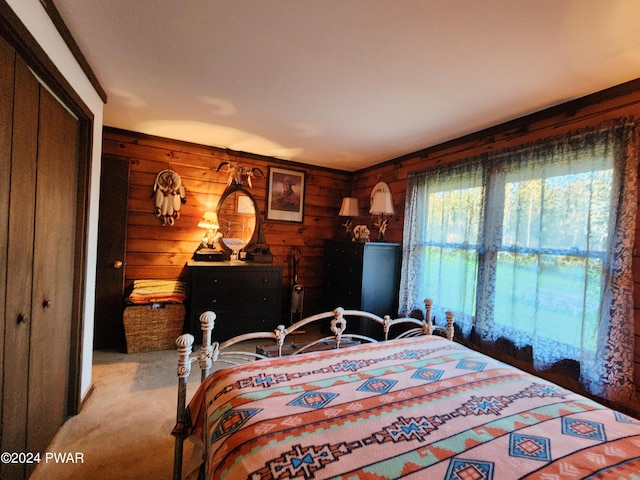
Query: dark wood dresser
x=363, y=276
x=245, y=296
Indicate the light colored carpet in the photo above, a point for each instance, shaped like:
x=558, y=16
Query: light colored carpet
x=124, y=430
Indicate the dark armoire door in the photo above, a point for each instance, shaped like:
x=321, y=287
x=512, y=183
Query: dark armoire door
x=112, y=225
x=40, y=226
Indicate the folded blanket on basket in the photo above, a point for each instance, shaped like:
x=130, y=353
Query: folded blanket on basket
x=154, y=291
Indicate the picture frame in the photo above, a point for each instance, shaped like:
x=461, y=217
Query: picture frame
x=285, y=195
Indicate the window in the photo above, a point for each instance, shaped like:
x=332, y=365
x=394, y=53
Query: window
x=448, y=245
x=549, y=266
x=520, y=246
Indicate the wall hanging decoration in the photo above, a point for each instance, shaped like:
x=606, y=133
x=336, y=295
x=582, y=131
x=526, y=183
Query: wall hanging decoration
x=285, y=195
x=239, y=174
x=169, y=195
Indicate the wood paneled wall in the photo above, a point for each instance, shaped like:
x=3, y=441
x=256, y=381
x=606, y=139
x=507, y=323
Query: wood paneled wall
x=161, y=252
x=620, y=101
x=154, y=251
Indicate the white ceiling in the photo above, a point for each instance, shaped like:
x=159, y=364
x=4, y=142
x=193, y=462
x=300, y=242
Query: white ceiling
x=346, y=83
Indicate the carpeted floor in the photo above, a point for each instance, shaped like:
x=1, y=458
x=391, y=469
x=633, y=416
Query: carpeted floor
x=124, y=429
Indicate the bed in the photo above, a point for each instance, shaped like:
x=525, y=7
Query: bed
x=417, y=406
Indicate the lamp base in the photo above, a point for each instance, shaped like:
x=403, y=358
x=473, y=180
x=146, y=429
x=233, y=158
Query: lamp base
x=210, y=255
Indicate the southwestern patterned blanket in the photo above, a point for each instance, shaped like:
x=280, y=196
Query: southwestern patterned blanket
x=419, y=408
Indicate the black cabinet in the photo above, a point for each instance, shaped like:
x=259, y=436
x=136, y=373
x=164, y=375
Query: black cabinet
x=363, y=276
x=245, y=297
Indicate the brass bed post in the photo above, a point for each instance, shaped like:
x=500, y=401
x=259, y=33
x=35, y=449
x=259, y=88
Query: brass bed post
x=185, y=346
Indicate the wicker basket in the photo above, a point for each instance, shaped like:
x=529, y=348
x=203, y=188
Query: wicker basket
x=152, y=327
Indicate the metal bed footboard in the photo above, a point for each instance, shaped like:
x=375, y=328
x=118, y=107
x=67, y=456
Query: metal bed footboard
x=211, y=352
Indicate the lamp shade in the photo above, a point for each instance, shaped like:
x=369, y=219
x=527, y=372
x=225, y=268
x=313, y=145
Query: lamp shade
x=209, y=220
x=349, y=207
x=381, y=204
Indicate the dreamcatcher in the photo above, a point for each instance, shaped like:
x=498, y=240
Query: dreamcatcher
x=169, y=195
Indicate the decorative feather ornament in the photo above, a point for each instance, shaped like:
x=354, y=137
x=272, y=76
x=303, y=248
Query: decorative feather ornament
x=238, y=173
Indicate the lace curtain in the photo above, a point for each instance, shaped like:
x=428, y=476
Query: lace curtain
x=534, y=244
x=442, y=241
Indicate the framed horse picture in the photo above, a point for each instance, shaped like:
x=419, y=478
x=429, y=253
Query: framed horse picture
x=285, y=195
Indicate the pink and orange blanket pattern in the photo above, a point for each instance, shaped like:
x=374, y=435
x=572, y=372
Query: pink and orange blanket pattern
x=414, y=408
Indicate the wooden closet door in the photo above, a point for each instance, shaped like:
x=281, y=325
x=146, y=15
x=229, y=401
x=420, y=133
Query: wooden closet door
x=39, y=142
x=6, y=122
x=19, y=226
x=53, y=271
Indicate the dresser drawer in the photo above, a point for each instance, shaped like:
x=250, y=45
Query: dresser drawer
x=237, y=300
x=233, y=279
x=229, y=324
x=244, y=297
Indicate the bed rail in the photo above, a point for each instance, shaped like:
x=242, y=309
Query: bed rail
x=211, y=352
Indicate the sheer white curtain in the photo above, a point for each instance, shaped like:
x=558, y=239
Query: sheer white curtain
x=443, y=233
x=534, y=245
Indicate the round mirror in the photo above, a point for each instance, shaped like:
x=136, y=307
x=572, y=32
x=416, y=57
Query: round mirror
x=238, y=217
